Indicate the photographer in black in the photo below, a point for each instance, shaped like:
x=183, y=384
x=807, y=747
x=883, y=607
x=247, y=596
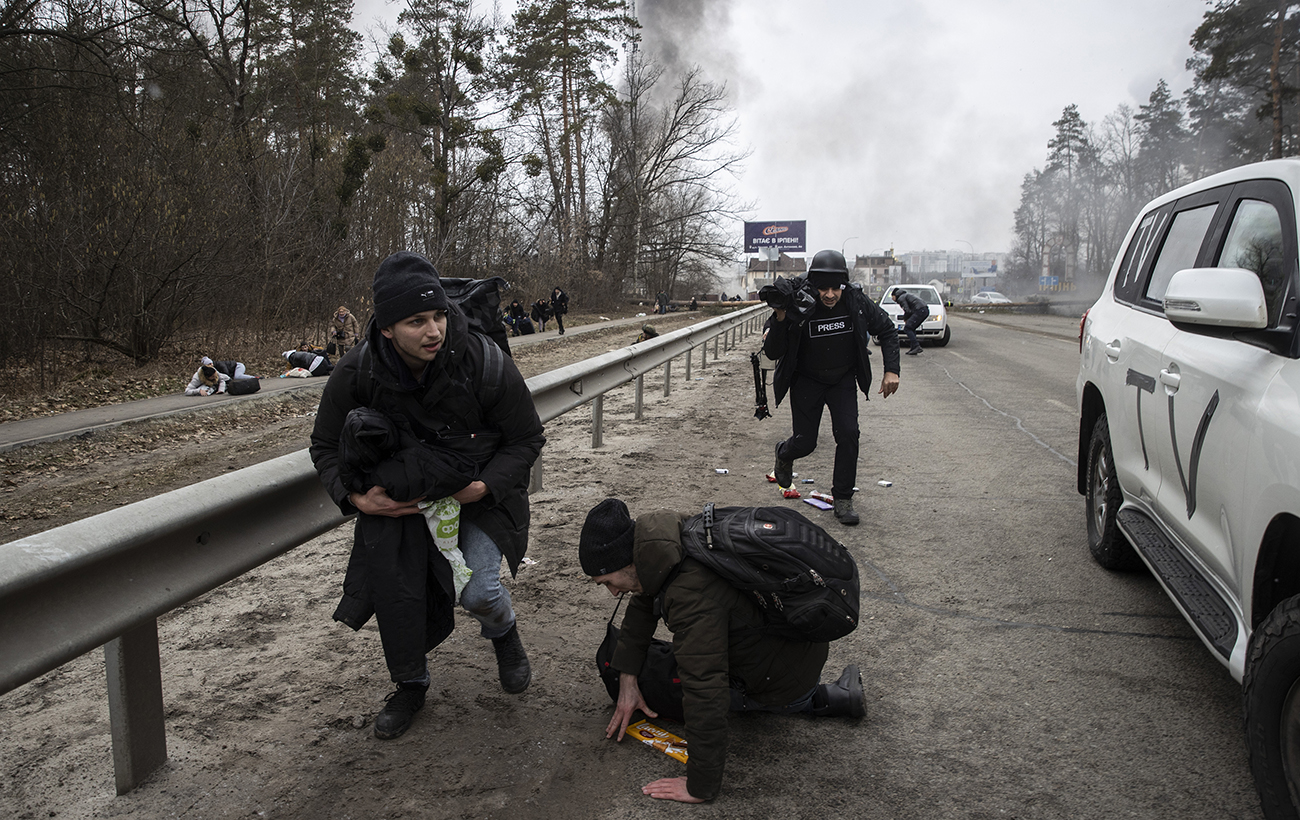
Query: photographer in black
x=819, y=335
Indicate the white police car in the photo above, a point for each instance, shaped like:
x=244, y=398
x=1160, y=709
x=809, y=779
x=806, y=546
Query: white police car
x=935, y=327
x=1189, y=435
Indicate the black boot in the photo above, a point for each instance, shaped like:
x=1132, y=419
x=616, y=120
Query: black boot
x=512, y=662
x=397, y=714
x=843, y=698
x=782, y=469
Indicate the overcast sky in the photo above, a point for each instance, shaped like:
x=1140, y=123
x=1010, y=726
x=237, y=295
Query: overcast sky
x=909, y=123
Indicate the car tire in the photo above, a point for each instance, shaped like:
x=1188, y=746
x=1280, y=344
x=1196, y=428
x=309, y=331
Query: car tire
x=1108, y=545
x=1271, y=701
x=943, y=340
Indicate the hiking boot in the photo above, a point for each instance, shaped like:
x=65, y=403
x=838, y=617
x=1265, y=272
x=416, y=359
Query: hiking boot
x=843, y=698
x=914, y=351
x=512, y=662
x=844, y=512
x=396, y=716
x=783, y=469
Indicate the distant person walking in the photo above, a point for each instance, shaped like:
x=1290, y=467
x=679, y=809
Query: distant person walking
x=559, y=307
x=662, y=301
x=344, y=331
x=541, y=314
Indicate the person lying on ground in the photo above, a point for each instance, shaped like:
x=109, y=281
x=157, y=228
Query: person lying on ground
x=207, y=381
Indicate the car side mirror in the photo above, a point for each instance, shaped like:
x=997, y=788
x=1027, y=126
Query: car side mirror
x=1220, y=297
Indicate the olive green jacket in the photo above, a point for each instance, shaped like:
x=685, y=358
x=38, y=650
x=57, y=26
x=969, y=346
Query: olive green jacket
x=716, y=640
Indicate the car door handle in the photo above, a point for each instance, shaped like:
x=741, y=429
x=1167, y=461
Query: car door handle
x=1112, y=350
x=1170, y=380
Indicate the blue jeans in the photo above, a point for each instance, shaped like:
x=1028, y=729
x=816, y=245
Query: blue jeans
x=484, y=597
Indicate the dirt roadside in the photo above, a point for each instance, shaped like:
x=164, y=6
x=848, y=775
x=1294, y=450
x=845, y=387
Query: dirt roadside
x=269, y=702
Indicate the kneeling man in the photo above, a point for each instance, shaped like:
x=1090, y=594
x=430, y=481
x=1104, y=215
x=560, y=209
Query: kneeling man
x=725, y=661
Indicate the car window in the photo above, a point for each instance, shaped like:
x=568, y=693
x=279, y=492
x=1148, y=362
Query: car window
x=928, y=295
x=1255, y=243
x=1129, y=278
x=1181, y=247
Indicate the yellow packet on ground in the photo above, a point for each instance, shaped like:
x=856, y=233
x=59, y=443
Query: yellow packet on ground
x=666, y=742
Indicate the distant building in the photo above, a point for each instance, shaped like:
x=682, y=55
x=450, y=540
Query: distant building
x=875, y=273
x=762, y=272
x=962, y=273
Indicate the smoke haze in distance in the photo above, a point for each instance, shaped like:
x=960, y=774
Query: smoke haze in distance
x=906, y=123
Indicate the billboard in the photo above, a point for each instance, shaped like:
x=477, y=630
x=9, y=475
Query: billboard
x=784, y=236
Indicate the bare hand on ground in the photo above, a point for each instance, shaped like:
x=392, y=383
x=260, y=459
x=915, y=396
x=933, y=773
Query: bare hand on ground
x=629, y=700
x=670, y=788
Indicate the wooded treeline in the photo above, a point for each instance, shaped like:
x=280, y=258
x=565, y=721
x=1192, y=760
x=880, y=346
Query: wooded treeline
x=175, y=165
x=1243, y=106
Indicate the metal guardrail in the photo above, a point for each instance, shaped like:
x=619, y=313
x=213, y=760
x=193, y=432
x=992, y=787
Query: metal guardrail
x=104, y=580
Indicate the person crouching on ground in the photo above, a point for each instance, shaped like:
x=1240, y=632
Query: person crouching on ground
x=421, y=363
x=726, y=663
x=915, y=311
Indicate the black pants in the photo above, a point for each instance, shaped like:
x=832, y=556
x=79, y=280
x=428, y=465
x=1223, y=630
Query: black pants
x=807, y=397
x=559, y=322
x=911, y=324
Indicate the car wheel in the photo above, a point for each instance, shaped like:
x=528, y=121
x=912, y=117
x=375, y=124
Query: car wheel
x=1271, y=697
x=943, y=340
x=1108, y=545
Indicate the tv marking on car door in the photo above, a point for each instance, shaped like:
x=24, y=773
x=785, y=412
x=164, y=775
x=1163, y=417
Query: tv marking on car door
x=1145, y=383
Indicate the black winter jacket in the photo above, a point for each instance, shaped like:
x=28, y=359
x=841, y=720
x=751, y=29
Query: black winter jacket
x=912, y=304
x=495, y=425
x=490, y=423
x=869, y=319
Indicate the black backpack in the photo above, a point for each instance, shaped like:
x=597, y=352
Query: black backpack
x=480, y=301
x=804, y=581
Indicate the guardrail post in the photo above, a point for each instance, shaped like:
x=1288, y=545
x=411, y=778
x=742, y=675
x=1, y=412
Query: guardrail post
x=715, y=347
x=535, y=479
x=639, y=400
x=688, y=364
x=597, y=421
x=668, y=378
x=135, y=705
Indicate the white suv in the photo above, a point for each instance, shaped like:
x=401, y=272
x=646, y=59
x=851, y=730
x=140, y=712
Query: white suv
x=935, y=327
x=1189, y=435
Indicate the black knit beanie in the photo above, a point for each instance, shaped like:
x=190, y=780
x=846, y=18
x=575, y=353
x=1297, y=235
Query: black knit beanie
x=406, y=284
x=605, y=545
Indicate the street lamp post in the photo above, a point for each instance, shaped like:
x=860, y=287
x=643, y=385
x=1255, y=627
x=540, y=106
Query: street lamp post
x=959, y=273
